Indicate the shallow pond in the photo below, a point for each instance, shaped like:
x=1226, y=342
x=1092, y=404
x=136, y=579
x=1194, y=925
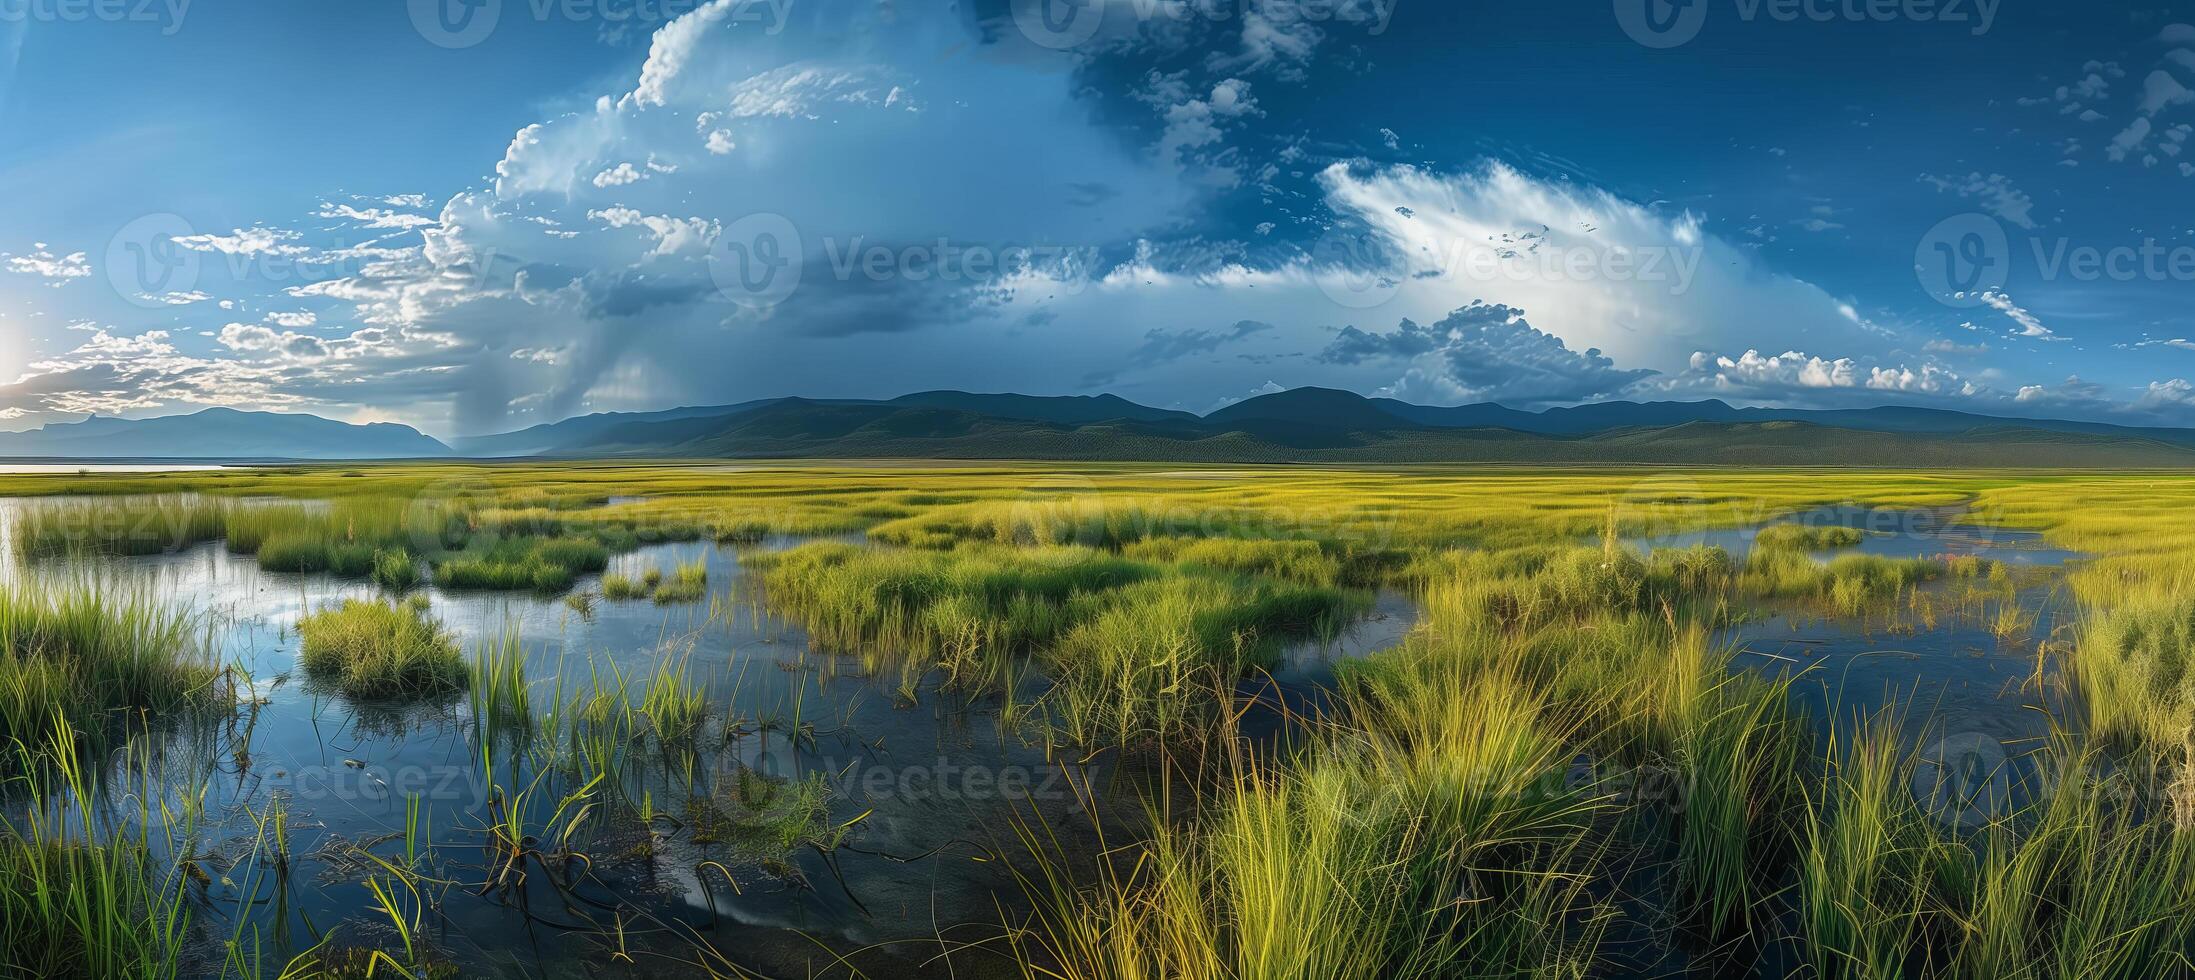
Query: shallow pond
x=1973, y=681
x=1961, y=686
x=1956, y=669
x=932, y=790
x=1920, y=533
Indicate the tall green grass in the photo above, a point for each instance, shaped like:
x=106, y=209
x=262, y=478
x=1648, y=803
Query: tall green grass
x=1135, y=651
x=617, y=586
x=676, y=710
x=688, y=583
x=371, y=649
x=547, y=565
x=119, y=527
x=1448, y=847
x=1848, y=583
x=850, y=597
x=478, y=547
x=83, y=894
x=1807, y=537
x=2136, y=668
x=2082, y=881
x=1739, y=751
x=94, y=655
x=1150, y=661
x=1445, y=813
x=395, y=570
x=502, y=699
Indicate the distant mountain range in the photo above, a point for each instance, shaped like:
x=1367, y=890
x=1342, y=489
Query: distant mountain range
x=220, y=433
x=1299, y=425
x=1325, y=425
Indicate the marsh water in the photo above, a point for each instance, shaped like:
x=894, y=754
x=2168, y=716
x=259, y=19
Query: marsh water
x=1959, y=677
x=64, y=468
x=932, y=778
x=929, y=788
x=1934, y=532
x=933, y=793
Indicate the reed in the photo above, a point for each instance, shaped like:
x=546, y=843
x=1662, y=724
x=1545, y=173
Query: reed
x=1806, y=537
x=1152, y=660
x=676, y=710
x=1452, y=807
x=395, y=570
x=370, y=649
x=119, y=527
x=94, y=654
x=80, y=895
x=618, y=587
x=688, y=583
x=1448, y=848
x=502, y=700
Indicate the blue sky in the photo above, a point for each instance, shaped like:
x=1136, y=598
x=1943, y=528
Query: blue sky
x=476, y=218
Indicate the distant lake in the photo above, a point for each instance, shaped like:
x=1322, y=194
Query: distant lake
x=15, y=468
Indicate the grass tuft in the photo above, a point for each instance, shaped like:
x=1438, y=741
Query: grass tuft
x=91, y=655
x=371, y=649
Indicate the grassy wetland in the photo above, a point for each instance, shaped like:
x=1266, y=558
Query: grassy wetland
x=1103, y=721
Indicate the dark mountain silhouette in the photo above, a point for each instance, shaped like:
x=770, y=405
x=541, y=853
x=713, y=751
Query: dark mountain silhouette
x=1298, y=425
x=1070, y=409
x=1323, y=425
x=579, y=430
x=1606, y=416
x=221, y=433
x=1320, y=408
